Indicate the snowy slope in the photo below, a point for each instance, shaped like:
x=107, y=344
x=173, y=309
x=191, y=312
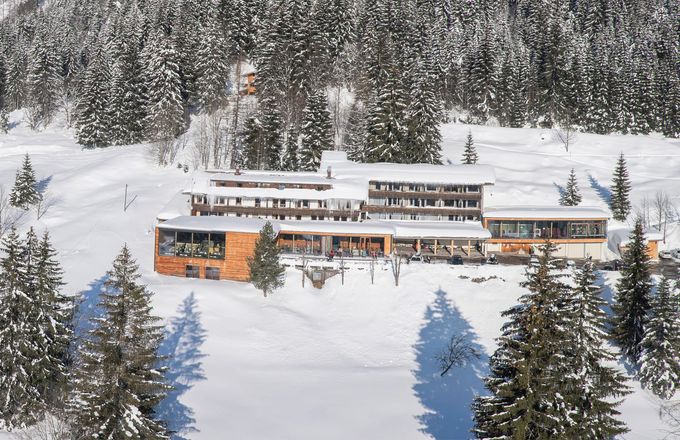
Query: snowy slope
x=352, y=361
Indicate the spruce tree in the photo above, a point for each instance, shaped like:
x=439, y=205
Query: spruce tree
x=165, y=104
x=4, y=120
x=272, y=135
x=57, y=313
x=423, y=116
x=118, y=383
x=93, y=119
x=212, y=67
x=571, y=195
x=660, y=359
x=25, y=191
x=252, y=156
x=266, y=272
x=620, y=201
x=470, y=153
x=527, y=398
x=22, y=380
x=385, y=127
x=291, y=161
x=590, y=385
x=316, y=131
x=43, y=74
x=354, y=138
x=632, y=305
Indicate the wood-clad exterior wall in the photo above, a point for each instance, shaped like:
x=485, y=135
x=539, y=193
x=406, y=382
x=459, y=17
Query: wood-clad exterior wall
x=239, y=246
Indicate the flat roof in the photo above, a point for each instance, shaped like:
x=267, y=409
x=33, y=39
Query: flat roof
x=273, y=177
x=407, y=173
x=213, y=223
x=398, y=229
x=555, y=212
x=441, y=229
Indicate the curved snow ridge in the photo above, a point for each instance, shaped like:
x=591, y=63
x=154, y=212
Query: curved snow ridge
x=21, y=150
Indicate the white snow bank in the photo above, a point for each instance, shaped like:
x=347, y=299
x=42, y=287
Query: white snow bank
x=617, y=238
x=443, y=229
x=177, y=206
x=213, y=223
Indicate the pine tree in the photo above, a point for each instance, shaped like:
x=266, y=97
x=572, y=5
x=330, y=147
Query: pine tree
x=660, y=359
x=316, y=132
x=4, y=120
x=589, y=384
x=527, y=399
x=620, y=201
x=470, y=154
x=423, y=116
x=21, y=378
x=165, y=105
x=266, y=272
x=291, y=161
x=354, y=138
x=56, y=316
x=118, y=384
x=25, y=191
x=43, y=74
x=571, y=195
x=385, y=127
x=94, y=126
x=212, y=67
x=272, y=135
x=252, y=156
x=631, y=309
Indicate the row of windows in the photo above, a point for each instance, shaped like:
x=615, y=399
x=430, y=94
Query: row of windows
x=419, y=187
x=191, y=244
x=337, y=218
x=193, y=271
x=422, y=217
x=547, y=229
x=423, y=203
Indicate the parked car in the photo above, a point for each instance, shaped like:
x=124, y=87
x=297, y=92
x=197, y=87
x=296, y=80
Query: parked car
x=614, y=265
x=492, y=259
x=666, y=255
x=456, y=260
x=418, y=258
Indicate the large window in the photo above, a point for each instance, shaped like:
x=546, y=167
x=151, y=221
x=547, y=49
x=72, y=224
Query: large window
x=166, y=243
x=545, y=229
x=191, y=244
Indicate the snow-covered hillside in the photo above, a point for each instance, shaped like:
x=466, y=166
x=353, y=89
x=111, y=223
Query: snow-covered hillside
x=348, y=361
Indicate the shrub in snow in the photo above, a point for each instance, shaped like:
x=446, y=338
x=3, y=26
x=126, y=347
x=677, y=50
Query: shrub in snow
x=25, y=191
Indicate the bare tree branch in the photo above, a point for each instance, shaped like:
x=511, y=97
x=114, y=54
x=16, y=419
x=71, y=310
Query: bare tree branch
x=456, y=353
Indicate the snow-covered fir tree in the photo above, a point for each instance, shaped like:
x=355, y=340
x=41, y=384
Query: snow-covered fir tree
x=291, y=162
x=93, y=123
x=4, y=120
x=470, y=152
x=593, y=387
x=118, y=385
x=385, y=127
x=266, y=272
x=355, y=133
x=252, y=155
x=43, y=78
x=527, y=398
x=423, y=116
x=620, y=198
x=272, y=135
x=633, y=292
x=660, y=359
x=316, y=131
x=571, y=195
x=165, y=102
x=25, y=190
x=212, y=66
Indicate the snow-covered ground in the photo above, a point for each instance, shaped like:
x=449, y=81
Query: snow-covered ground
x=348, y=361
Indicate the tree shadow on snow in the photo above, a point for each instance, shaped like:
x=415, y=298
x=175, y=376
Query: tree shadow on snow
x=43, y=184
x=87, y=308
x=182, y=347
x=560, y=189
x=602, y=191
x=447, y=399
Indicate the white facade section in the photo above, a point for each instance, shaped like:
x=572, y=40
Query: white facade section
x=546, y=212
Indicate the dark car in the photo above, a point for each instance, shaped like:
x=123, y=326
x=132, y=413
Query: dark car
x=456, y=260
x=614, y=265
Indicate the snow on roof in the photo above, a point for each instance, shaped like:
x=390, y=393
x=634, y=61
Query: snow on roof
x=442, y=229
x=273, y=177
x=336, y=227
x=546, y=212
x=621, y=237
x=412, y=173
x=176, y=207
x=341, y=190
x=405, y=229
x=216, y=224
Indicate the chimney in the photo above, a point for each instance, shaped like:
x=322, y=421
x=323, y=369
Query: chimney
x=237, y=172
x=329, y=173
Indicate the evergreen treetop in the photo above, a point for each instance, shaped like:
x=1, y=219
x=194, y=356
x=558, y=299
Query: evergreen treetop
x=633, y=291
x=660, y=359
x=25, y=191
x=470, y=153
x=266, y=272
x=571, y=195
x=620, y=198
